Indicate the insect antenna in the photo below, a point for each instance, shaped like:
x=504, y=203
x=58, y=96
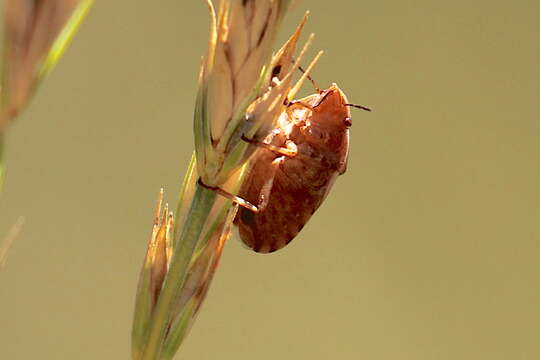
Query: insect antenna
x=299, y=67
x=365, y=108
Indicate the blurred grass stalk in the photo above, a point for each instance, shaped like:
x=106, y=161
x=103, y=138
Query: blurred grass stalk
x=36, y=34
x=5, y=244
x=1, y=162
x=242, y=91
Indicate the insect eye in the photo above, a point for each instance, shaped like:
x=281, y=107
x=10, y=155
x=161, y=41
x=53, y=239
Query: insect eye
x=347, y=121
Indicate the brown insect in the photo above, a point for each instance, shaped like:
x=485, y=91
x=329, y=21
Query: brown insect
x=290, y=188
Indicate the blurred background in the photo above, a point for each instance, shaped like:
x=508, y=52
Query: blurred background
x=427, y=248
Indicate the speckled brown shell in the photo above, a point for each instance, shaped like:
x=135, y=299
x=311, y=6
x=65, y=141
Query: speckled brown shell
x=300, y=183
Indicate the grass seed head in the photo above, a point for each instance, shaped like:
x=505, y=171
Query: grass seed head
x=233, y=75
x=152, y=276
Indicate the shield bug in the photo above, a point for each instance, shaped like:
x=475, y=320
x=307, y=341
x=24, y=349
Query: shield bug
x=291, y=187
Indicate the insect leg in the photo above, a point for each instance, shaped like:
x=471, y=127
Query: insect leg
x=235, y=199
x=266, y=188
x=290, y=150
x=264, y=193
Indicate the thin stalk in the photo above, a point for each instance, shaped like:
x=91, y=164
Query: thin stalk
x=1, y=161
x=202, y=203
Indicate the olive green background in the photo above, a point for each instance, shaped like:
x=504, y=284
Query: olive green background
x=427, y=248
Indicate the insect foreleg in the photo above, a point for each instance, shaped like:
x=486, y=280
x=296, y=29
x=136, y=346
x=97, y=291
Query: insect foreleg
x=235, y=199
x=264, y=193
x=290, y=150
